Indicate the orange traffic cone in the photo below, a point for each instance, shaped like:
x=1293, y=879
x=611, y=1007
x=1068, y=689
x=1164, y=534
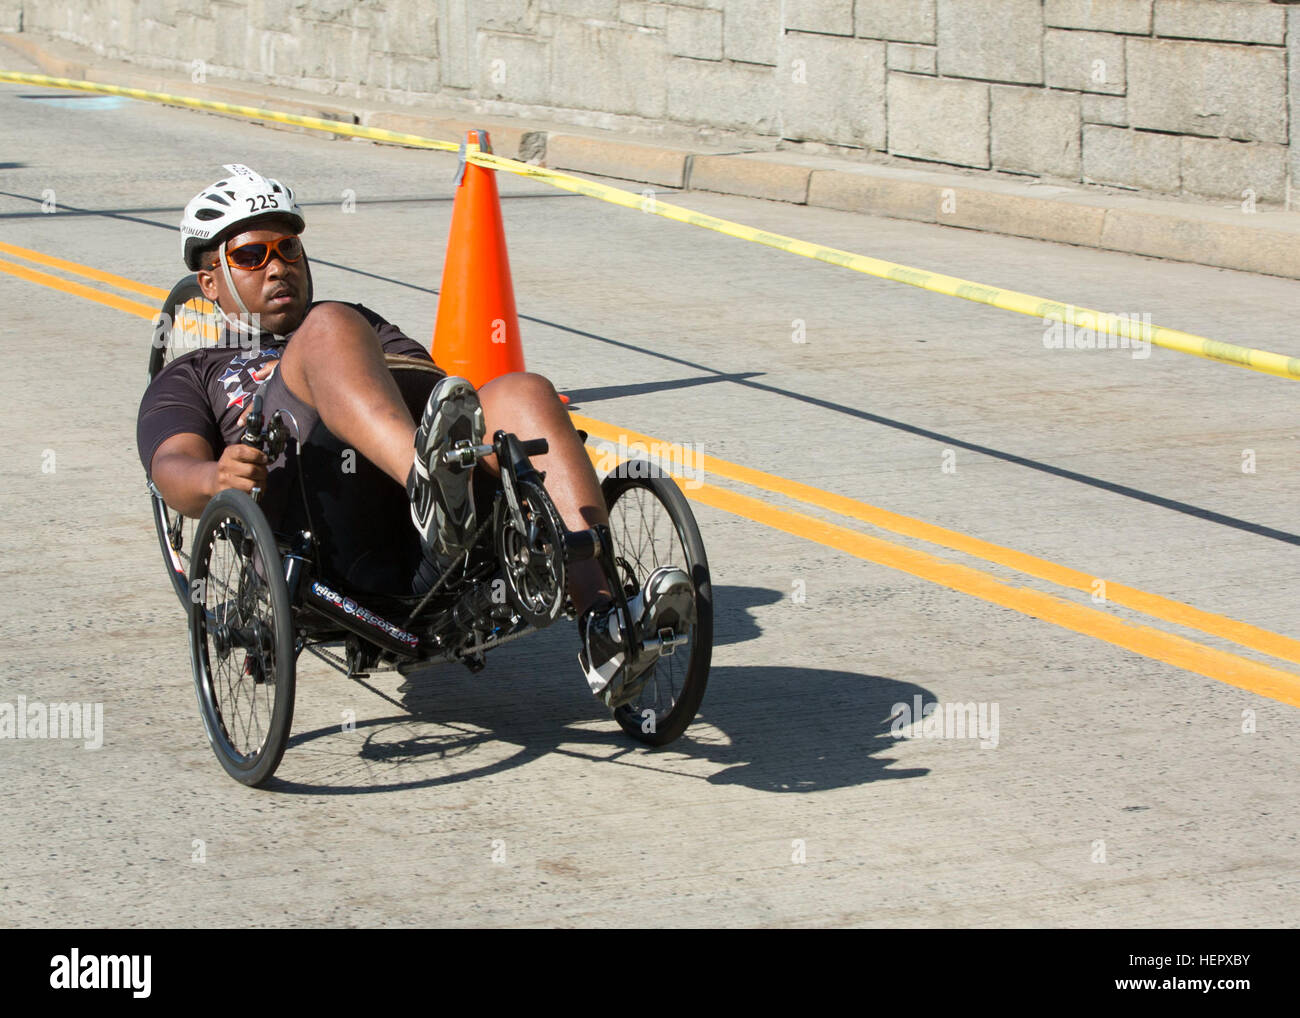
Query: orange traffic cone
x=476, y=334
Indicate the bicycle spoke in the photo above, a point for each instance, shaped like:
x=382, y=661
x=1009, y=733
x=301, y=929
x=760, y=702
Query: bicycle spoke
x=237, y=602
x=645, y=537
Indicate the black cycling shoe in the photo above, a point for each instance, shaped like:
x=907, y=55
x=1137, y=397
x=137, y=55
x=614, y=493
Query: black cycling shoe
x=442, y=504
x=663, y=607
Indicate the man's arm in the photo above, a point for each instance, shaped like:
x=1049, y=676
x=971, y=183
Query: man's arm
x=187, y=473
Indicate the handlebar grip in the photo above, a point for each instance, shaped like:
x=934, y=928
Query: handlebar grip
x=535, y=447
x=253, y=423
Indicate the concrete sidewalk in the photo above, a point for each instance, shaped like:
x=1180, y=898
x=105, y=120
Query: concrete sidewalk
x=1232, y=236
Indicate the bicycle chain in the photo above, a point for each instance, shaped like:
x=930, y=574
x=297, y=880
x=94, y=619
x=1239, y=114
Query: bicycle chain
x=447, y=575
x=490, y=644
x=339, y=661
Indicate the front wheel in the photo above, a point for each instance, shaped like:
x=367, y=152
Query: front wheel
x=652, y=525
x=241, y=637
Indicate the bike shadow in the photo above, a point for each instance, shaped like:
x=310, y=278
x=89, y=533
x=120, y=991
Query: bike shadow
x=773, y=728
x=733, y=619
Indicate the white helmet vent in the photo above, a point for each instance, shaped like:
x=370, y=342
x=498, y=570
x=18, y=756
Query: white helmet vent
x=244, y=196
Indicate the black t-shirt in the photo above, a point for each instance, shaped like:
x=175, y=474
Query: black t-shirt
x=205, y=392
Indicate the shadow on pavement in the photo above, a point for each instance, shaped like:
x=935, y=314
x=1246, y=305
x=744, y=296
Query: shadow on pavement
x=770, y=728
x=791, y=729
x=732, y=620
x=579, y=396
x=774, y=728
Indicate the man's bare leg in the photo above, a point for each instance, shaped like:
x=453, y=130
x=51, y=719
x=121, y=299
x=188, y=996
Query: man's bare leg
x=527, y=406
x=335, y=363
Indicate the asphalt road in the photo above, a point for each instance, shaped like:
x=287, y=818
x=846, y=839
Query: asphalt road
x=1141, y=771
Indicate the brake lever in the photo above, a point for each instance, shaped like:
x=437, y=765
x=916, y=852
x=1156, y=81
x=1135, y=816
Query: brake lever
x=252, y=435
x=269, y=437
x=253, y=422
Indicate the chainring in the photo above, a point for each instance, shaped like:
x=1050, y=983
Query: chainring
x=532, y=559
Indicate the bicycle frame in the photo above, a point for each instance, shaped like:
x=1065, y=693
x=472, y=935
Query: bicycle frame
x=458, y=618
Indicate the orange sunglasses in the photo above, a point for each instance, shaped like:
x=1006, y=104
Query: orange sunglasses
x=251, y=257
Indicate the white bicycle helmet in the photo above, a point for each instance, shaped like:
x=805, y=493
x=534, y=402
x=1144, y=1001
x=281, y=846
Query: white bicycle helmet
x=243, y=196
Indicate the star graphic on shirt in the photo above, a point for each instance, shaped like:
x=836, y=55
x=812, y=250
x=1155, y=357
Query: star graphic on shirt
x=265, y=370
x=237, y=398
x=230, y=377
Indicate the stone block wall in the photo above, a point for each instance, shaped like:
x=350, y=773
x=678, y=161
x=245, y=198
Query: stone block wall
x=1176, y=96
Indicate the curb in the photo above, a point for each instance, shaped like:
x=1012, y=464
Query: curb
x=1264, y=242
x=607, y=157
x=1261, y=242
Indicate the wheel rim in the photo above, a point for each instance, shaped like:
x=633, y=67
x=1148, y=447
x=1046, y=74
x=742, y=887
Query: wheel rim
x=238, y=632
x=191, y=324
x=645, y=537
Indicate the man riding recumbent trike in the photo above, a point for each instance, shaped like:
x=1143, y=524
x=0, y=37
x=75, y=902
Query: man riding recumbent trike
x=300, y=507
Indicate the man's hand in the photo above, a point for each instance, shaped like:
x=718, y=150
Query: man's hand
x=241, y=466
x=187, y=473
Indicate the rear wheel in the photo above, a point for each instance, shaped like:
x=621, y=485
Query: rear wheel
x=652, y=525
x=187, y=321
x=241, y=637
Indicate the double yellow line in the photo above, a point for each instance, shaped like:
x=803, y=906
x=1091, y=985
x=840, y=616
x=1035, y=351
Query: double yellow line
x=1157, y=644
x=133, y=307
x=1233, y=669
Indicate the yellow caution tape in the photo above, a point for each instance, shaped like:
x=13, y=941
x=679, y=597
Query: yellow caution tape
x=231, y=109
x=1082, y=327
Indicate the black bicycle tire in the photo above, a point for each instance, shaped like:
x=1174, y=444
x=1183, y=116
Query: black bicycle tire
x=185, y=290
x=258, y=769
x=641, y=474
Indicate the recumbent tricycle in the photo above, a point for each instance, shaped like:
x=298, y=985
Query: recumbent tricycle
x=256, y=599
